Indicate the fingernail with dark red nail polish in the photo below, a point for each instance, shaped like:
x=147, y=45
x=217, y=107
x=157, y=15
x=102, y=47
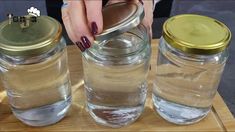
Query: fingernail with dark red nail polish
x=86, y=42
x=79, y=45
x=94, y=28
x=141, y=2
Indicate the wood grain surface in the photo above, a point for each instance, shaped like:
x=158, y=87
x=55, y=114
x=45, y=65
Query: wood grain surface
x=77, y=119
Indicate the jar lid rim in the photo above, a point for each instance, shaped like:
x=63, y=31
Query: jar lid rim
x=196, y=34
x=45, y=34
x=119, y=18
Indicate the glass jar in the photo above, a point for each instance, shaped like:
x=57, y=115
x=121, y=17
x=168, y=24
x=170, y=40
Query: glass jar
x=192, y=55
x=116, y=69
x=34, y=70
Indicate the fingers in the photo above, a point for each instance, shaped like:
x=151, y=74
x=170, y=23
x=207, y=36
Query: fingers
x=83, y=19
x=117, y=1
x=94, y=16
x=77, y=13
x=148, y=19
x=75, y=21
x=67, y=24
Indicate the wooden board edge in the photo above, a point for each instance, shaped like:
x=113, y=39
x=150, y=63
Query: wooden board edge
x=223, y=113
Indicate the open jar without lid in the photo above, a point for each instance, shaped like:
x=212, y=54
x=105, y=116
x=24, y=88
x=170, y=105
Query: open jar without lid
x=116, y=67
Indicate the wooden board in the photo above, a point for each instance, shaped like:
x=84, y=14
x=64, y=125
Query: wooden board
x=77, y=119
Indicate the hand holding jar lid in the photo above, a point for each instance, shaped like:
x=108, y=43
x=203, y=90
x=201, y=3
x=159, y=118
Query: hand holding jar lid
x=83, y=19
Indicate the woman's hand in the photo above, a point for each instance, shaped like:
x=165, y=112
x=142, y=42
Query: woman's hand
x=83, y=19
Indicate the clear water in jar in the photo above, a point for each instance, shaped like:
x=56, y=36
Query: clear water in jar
x=184, y=88
x=39, y=93
x=115, y=95
x=116, y=92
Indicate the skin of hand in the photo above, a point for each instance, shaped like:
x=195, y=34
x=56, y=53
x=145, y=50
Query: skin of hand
x=83, y=19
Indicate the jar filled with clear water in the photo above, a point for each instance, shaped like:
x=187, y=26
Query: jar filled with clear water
x=34, y=70
x=116, y=67
x=191, y=57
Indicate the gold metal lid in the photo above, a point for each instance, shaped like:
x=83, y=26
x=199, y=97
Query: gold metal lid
x=196, y=34
x=37, y=38
x=119, y=18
